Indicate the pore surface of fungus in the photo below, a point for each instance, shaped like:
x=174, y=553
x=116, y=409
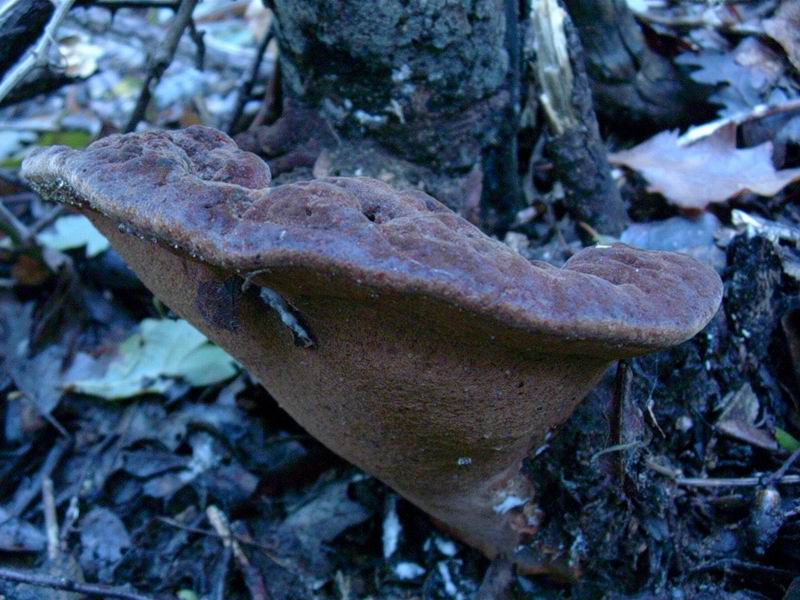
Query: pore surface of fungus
x=435, y=357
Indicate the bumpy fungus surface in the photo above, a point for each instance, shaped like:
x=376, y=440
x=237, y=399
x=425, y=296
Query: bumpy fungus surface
x=440, y=356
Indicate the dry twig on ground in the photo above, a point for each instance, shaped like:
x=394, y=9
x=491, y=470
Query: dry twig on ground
x=68, y=585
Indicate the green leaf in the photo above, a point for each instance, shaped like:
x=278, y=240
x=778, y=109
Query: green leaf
x=74, y=231
x=786, y=440
x=149, y=361
x=72, y=138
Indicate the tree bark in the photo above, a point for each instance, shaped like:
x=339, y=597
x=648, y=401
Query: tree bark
x=633, y=86
x=574, y=144
x=423, y=85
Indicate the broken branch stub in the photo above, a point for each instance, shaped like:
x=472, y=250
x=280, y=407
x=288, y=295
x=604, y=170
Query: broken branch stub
x=436, y=356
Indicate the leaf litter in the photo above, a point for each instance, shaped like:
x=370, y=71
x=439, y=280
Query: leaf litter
x=148, y=362
x=710, y=170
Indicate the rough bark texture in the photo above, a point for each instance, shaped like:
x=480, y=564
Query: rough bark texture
x=631, y=83
x=579, y=155
x=422, y=84
x=440, y=64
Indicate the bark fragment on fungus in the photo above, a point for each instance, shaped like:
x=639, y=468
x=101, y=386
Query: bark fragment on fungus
x=438, y=356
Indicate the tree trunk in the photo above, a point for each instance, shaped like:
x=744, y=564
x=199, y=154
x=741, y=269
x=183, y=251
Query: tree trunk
x=411, y=91
x=427, y=94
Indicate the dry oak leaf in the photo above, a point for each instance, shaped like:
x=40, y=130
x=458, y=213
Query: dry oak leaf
x=709, y=170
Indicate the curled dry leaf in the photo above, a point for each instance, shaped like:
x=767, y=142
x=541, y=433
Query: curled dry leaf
x=710, y=170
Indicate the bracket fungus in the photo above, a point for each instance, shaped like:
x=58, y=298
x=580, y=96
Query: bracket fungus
x=407, y=341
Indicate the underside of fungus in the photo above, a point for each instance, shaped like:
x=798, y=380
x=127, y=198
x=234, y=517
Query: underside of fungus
x=394, y=331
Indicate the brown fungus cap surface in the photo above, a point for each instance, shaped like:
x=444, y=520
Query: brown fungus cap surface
x=439, y=358
x=195, y=190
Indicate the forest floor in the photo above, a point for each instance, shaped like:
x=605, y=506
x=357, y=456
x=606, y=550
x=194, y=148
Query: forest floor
x=132, y=461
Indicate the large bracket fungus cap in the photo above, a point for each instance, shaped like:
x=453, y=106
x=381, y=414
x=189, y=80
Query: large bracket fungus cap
x=441, y=356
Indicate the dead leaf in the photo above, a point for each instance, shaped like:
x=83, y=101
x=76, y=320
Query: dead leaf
x=709, y=170
x=747, y=75
x=748, y=434
x=104, y=540
x=149, y=361
x=784, y=28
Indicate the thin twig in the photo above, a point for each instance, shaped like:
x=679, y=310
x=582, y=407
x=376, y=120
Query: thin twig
x=198, y=37
x=252, y=577
x=13, y=227
x=702, y=21
x=735, y=563
x=267, y=550
x=616, y=448
x=161, y=59
x=272, y=103
x=26, y=495
x=221, y=574
x=32, y=400
x=622, y=385
x=757, y=112
x=47, y=220
x=220, y=524
x=38, y=56
x=781, y=473
x=68, y=585
x=246, y=88
x=50, y=519
x=716, y=482
x=22, y=236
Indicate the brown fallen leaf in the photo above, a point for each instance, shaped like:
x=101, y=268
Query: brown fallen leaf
x=784, y=28
x=748, y=434
x=710, y=170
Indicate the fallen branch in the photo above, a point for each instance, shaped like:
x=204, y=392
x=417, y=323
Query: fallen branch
x=38, y=56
